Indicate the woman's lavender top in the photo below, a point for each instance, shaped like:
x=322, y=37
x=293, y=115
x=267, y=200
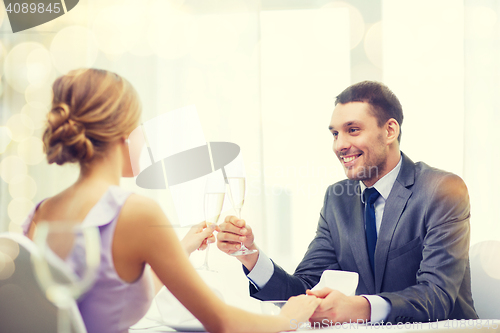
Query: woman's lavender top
x=111, y=305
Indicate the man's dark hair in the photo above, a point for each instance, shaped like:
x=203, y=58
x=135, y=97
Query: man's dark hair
x=384, y=104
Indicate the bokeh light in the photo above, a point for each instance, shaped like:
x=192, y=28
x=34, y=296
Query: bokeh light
x=15, y=227
x=31, y=150
x=357, y=23
x=12, y=166
x=21, y=127
x=489, y=259
x=19, y=208
x=80, y=16
x=373, y=44
x=2, y=57
x=37, y=113
x=17, y=68
x=73, y=47
x=5, y=138
x=9, y=248
x=7, y=266
x=39, y=94
x=39, y=66
x=2, y=15
x=22, y=186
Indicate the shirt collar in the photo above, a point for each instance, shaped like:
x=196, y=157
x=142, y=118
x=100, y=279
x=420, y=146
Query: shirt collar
x=384, y=184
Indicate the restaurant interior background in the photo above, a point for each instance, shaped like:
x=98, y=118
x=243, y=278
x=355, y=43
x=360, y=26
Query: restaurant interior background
x=264, y=74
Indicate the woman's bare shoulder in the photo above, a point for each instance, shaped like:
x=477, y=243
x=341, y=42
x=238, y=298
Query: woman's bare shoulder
x=142, y=228
x=142, y=209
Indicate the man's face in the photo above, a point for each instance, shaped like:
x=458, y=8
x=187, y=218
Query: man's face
x=359, y=143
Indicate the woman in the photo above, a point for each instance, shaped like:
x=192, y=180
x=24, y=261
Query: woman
x=93, y=112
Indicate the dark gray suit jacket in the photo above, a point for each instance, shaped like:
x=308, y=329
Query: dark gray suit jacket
x=422, y=253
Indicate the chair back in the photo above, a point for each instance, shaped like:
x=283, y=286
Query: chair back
x=24, y=307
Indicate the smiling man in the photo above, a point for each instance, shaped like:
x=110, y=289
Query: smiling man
x=364, y=140
x=404, y=228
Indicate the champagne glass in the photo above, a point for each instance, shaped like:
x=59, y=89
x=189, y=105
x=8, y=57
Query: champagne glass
x=215, y=190
x=237, y=195
x=66, y=267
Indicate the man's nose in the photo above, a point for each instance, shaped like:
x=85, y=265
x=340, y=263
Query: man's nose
x=341, y=143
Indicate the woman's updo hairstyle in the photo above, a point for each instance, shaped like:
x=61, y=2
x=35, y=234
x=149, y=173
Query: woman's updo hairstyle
x=90, y=109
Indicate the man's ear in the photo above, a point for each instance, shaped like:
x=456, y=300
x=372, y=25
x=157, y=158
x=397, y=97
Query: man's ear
x=392, y=128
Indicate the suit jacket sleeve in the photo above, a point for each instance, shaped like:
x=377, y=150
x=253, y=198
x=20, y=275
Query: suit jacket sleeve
x=319, y=257
x=444, y=256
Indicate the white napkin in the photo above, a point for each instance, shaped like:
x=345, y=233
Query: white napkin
x=171, y=310
x=173, y=313
x=345, y=282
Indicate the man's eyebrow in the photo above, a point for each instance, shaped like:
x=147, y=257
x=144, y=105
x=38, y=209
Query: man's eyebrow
x=350, y=123
x=347, y=124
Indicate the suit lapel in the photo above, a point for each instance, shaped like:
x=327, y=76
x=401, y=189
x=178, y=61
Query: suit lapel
x=394, y=207
x=357, y=241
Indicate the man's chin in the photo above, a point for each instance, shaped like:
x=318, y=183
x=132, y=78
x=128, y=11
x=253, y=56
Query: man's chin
x=361, y=173
x=352, y=174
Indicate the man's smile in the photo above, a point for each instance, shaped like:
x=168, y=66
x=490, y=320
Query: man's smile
x=349, y=160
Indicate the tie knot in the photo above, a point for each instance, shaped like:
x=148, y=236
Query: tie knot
x=370, y=195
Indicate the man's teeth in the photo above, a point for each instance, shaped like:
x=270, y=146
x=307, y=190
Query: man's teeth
x=349, y=159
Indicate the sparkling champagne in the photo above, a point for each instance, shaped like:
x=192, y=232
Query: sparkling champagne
x=237, y=195
x=213, y=207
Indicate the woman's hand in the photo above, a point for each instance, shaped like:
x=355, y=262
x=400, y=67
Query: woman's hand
x=299, y=309
x=198, y=237
x=339, y=308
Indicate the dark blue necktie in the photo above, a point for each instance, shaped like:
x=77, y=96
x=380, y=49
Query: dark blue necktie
x=370, y=195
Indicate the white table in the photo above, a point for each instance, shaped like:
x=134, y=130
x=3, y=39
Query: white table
x=237, y=295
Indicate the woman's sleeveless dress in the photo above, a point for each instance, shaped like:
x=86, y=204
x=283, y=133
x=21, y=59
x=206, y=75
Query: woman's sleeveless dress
x=111, y=305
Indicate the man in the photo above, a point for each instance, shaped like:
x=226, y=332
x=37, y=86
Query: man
x=402, y=226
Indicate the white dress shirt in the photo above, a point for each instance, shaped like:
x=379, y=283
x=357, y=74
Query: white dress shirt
x=380, y=308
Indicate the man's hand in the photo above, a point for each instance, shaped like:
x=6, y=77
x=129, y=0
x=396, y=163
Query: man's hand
x=198, y=237
x=233, y=232
x=340, y=308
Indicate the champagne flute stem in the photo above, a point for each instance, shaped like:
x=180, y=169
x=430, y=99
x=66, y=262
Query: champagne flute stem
x=238, y=212
x=63, y=319
x=77, y=321
x=205, y=263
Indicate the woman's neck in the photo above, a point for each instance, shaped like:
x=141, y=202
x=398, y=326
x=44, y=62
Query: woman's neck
x=105, y=170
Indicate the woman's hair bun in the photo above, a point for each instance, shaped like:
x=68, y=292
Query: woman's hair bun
x=65, y=139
